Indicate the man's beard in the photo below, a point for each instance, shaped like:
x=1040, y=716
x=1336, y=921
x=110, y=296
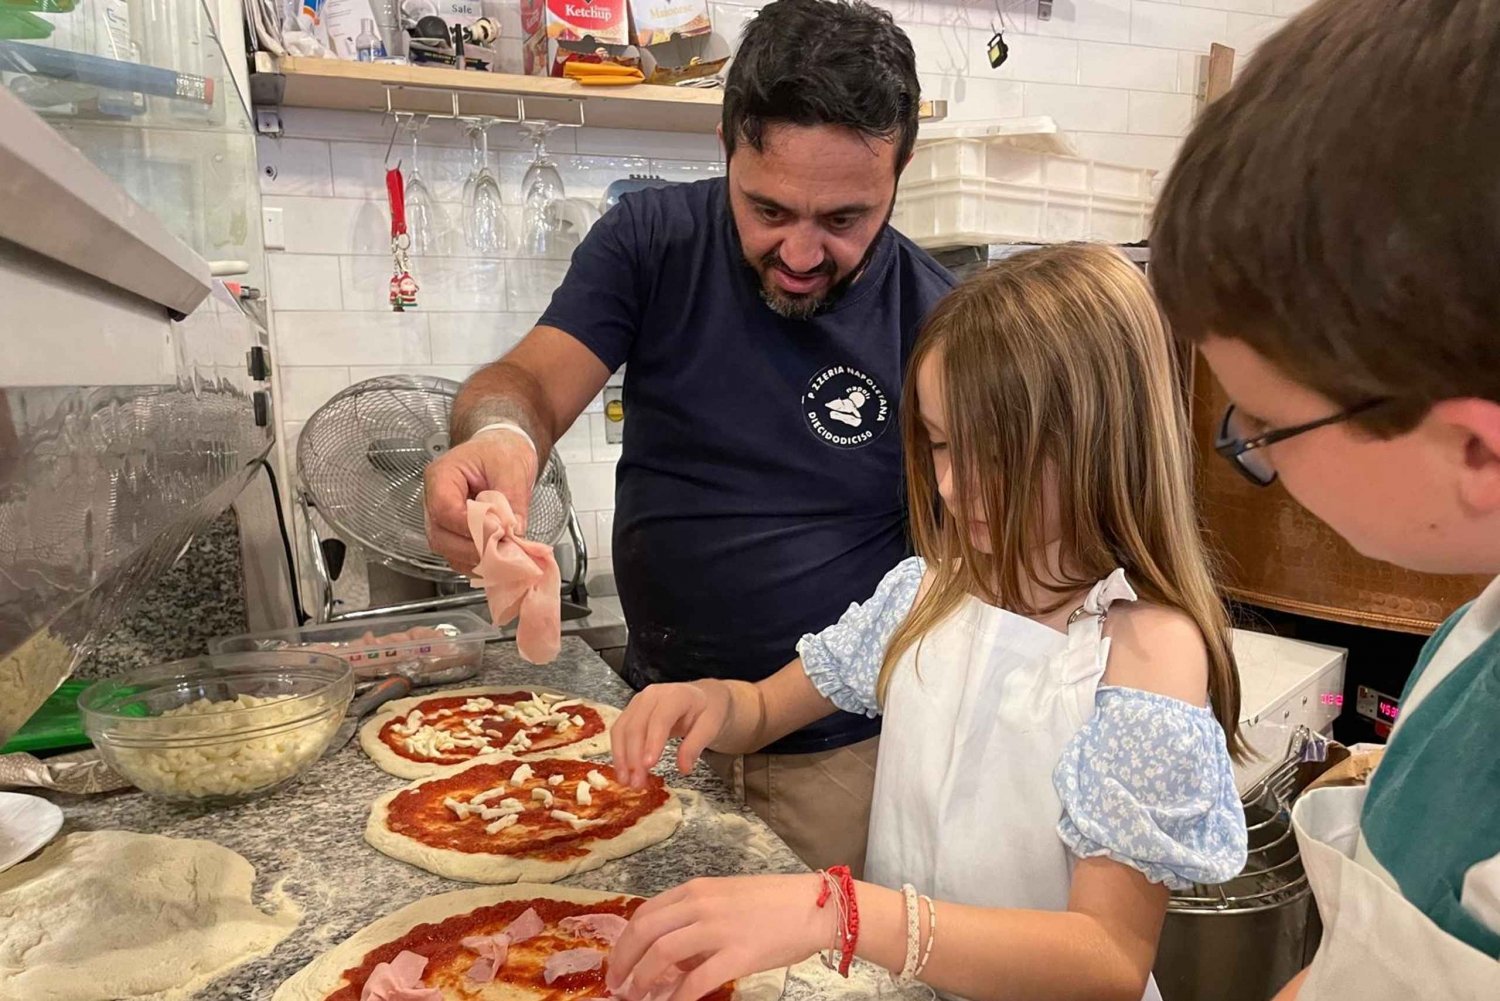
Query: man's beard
x=793, y=306
x=796, y=306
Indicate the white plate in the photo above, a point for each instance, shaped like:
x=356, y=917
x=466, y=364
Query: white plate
x=26, y=824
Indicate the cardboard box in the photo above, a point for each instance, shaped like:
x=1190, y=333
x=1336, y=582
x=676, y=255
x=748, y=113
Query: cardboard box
x=654, y=22
x=550, y=26
x=685, y=59
x=683, y=45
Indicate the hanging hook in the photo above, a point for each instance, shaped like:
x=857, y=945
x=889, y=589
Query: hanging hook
x=396, y=130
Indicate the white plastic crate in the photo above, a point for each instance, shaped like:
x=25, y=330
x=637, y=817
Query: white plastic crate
x=959, y=192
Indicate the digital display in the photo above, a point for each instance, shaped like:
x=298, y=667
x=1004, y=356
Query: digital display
x=1333, y=698
x=1378, y=706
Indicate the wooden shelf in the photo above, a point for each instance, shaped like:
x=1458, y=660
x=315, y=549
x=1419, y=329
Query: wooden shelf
x=297, y=82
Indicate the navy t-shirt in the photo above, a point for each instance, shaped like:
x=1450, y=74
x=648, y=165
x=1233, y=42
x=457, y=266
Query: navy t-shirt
x=759, y=489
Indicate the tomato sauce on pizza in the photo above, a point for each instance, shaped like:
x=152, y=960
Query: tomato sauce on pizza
x=549, y=809
x=450, y=730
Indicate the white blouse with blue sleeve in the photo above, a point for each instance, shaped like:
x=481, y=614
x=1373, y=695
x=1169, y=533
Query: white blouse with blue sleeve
x=843, y=661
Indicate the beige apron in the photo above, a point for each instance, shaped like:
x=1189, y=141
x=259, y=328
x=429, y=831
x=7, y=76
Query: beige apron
x=1377, y=946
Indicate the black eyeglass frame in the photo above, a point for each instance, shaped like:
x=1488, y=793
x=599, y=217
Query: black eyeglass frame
x=1235, y=448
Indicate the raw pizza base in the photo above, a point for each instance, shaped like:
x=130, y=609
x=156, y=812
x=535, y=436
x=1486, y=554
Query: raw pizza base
x=405, y=768
x=324, y=975
x=116, y=915
x=652, y=829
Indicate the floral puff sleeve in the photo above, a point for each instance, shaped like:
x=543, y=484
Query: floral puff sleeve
x=1148, y=782
x=843, y=661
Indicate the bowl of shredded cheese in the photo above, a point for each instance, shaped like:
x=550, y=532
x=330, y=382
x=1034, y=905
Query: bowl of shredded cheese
x=218, y=729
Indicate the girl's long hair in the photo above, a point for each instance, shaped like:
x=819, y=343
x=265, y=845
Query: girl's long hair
x=1055, y=364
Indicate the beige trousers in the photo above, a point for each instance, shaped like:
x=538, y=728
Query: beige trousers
x=819, y=804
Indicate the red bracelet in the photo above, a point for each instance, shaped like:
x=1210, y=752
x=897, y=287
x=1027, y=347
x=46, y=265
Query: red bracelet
x=848, y=931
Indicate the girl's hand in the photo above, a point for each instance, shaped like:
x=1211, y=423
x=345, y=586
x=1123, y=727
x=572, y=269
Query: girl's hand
x=695, y=712
x=707, y=932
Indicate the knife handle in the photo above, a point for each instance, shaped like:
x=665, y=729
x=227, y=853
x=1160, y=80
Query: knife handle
x=385, y=690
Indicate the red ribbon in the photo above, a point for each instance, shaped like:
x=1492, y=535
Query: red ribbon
x=395, y=189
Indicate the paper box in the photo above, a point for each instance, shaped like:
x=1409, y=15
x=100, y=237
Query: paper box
x=684, y=46
x=581, y=25
x=681, y=59
x=656, y=21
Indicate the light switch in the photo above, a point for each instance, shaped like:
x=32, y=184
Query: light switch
x=273, y=232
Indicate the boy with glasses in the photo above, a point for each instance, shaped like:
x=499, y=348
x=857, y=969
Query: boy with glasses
x=1330, y=239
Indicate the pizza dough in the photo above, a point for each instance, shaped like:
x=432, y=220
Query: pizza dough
x=406, y=768
x=324, y=975
x=653, y=828
x=112, y=914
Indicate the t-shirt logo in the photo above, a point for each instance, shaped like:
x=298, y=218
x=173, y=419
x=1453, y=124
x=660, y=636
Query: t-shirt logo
x=845, y=407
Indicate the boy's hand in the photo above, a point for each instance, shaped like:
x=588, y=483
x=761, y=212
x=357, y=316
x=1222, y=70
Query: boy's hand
x=695, y=712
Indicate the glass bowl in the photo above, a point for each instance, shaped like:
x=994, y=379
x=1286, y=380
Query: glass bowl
x=218, y=729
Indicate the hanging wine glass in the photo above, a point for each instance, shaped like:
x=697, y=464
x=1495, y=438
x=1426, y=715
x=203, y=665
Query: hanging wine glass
x=484, y=214
x=426, y=222
x=542, y=195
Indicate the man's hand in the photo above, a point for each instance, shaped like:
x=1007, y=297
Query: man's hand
x=494, y=460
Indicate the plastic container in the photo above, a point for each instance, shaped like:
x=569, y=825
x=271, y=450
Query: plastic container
x=449, y=645
x=55, y=726
x=218, y=729
x=972, y=192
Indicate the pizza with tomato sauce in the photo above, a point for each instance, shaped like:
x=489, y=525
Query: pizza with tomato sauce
x=500, y=820
x=517, y=943
x=415, y=737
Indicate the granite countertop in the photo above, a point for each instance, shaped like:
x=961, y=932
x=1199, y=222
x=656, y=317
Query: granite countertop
x=307, y=841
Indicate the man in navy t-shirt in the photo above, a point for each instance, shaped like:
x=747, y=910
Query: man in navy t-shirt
x=764, y=320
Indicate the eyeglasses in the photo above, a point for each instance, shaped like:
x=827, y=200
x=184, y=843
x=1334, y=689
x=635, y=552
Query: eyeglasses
x=1248, y=454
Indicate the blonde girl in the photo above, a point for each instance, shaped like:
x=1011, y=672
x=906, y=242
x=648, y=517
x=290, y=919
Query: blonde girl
x=1053, y=667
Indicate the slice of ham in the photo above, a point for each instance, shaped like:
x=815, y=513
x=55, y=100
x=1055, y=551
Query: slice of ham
x=528, y=925
x=561, y=964
x=492, y=950
x=482, y=972
x=519, y=577
x=539, y=633
x=607, y=928
x=399, y=980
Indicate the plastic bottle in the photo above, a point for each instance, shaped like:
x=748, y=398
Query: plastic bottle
x=368, y=44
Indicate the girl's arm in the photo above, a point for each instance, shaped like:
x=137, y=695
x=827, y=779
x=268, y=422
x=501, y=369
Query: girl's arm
x=736, y=717
x=835, y=669
x=765, y=711
x=1099, y=949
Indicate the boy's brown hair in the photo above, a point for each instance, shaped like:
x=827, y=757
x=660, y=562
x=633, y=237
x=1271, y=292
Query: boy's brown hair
x=1339, y=209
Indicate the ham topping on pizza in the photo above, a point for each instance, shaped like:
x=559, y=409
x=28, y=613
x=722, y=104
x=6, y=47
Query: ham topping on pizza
x=400, y=980
x=607, y=928
x=492, y=949
x=562, y=964
x=528, y=926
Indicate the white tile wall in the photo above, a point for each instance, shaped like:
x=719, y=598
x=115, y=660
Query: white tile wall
x=1127, y=67
x=1121, y=75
